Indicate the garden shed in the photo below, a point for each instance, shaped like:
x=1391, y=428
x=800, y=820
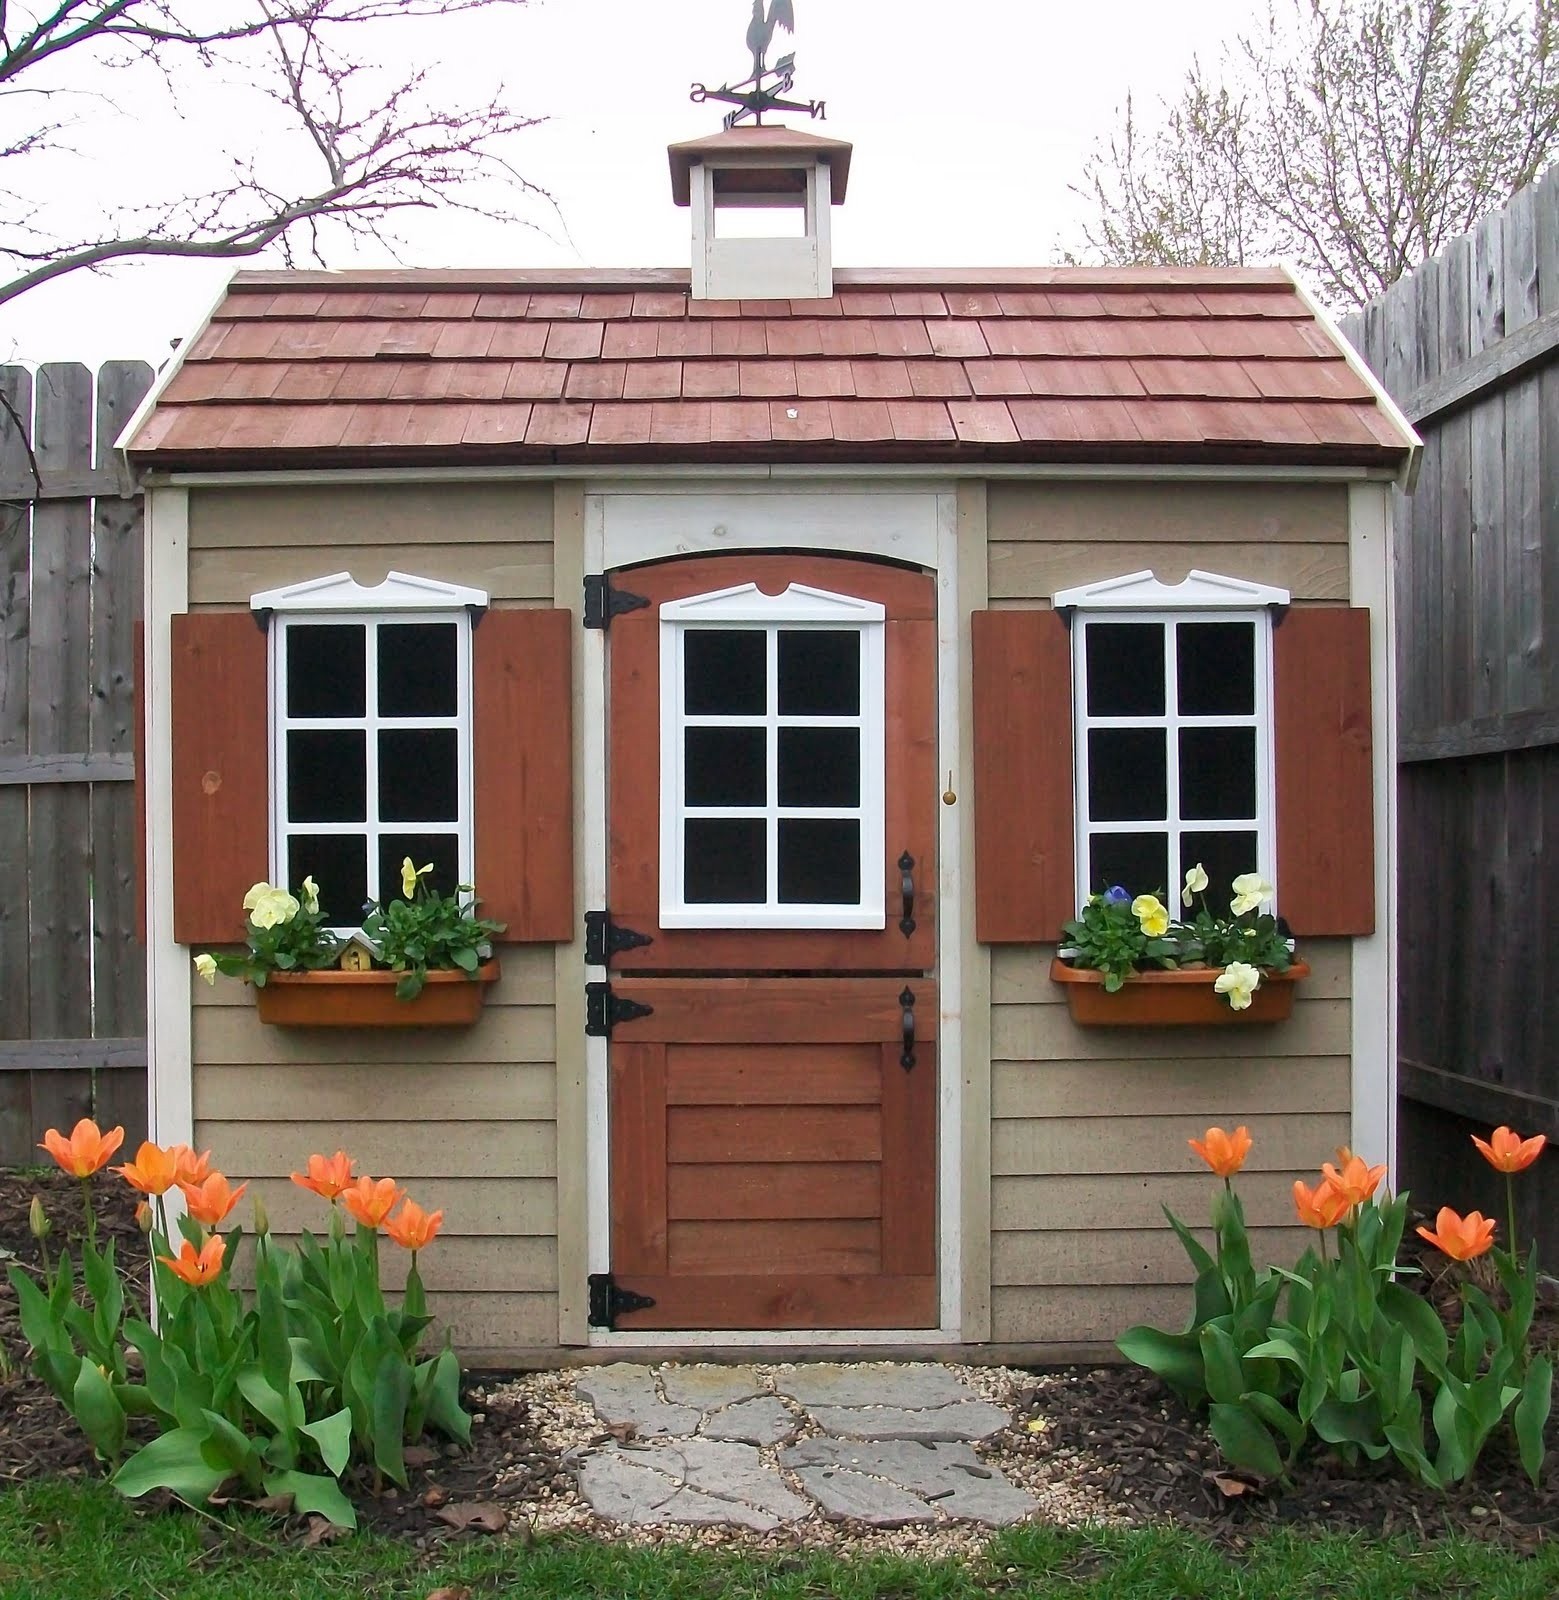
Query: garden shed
x=784, y=652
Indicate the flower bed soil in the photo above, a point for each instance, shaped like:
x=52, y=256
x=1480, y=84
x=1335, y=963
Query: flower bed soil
x=1113, y=1435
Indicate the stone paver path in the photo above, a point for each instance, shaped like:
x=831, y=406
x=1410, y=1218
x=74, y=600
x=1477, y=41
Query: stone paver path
x=887, y=1446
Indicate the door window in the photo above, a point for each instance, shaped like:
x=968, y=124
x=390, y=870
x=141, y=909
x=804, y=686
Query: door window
x=772, y=761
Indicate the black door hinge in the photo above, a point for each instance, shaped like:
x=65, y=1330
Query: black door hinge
x=603, y=602
x=604, y=1010
x=605, y=938
x=608, y=1301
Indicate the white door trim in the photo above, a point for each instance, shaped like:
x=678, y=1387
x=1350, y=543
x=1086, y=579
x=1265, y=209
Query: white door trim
x=919, y=527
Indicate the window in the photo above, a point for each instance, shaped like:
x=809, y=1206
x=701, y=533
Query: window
x=771, y=760
x=370, y=736
x=1172, y=697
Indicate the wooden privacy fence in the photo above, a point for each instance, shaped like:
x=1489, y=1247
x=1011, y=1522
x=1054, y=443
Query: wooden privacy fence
x=72, y=972
x=1469, y=347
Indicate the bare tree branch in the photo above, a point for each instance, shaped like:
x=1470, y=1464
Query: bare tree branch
x=1354, y=137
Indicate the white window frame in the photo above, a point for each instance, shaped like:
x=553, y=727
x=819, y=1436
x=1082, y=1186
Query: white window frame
x=338, y=600
x=1139, y=597
x=747, y=607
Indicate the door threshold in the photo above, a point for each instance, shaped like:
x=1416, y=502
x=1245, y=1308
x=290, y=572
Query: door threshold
x=775, y=1338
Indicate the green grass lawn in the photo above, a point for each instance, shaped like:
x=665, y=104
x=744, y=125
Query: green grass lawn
x=60, y=1540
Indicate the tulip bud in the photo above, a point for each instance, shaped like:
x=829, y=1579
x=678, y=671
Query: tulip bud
x=143, y=1217
x=262, y=1221
x=38, y=1223
x=337, y=1224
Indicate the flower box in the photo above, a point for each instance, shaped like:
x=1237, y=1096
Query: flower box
x=336, y=999
x=1182, y=998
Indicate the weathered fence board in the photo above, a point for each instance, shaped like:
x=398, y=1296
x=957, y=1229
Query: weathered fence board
x=1470, y=347
x=72, y=983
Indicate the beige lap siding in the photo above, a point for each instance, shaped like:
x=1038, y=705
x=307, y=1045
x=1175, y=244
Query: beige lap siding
x=496, y=537
x=463, y=1118
x=1089, y=1125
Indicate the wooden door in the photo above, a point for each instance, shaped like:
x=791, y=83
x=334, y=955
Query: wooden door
x=772, y=819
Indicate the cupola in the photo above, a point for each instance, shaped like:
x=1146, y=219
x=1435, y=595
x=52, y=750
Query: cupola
x=773, y=182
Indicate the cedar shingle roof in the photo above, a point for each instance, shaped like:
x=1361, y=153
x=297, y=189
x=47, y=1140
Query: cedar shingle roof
x=1056, y=365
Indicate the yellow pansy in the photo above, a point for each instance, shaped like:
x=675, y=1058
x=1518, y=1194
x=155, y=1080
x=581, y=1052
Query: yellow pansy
x=1151, y=915
x=311, y=896
x=1250, y=890
x=206, y=966
x=1195, y=883
x=273, y=908
x=410, y=874
x=252, y=898
x=1239, y=981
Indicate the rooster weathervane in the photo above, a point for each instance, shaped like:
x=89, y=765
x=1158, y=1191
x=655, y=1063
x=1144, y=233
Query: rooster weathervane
x=764, y=89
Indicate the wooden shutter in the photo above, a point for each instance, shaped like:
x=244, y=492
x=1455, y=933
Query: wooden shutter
x=523, y=757
x=221, y=773
x=1025, y=881
x=1325, y=780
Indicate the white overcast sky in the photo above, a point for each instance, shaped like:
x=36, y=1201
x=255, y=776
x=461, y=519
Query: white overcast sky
x=970, y=118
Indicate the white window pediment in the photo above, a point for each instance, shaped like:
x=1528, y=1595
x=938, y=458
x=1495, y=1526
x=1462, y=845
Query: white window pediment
x=748, y=603
x=1141, y=591
x=400, y=591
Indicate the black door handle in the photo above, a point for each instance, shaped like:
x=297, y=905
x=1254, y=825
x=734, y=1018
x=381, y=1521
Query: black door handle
x=907, y=889
x=907, y=1025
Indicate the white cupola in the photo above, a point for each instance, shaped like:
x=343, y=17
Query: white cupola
x=772, y=182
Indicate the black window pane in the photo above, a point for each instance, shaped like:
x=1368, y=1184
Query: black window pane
x=338, y=864
x=1128, y=774
x=819, y=861
x=819, y=672
x=725, y=672
x=1223, y=856
x=326, y=670
x=1125, y=669
x=819, y=767
x=1138, y=862
x=417, y=669
x=418, y=775
x=1217, y=773
x=327, y=775
x=726, y=767
x=1215, y=668
x=725, y=861
x=442, y=849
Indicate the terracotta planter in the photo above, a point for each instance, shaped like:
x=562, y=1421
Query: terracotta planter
x=335, y=999
x=1172, y=999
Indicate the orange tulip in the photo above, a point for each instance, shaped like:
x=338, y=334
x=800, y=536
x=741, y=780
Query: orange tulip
x=154, y=1170
x=1320, y=1207
x=191, y=1168
x=327, y=1176
x=211, y=1201
x=372, y=1202
x=1224, y=1152
x=1508, y=1152
x=1461, y=1238
x=411, y=1227
x=198, y=1270
x=1357, y=1182
x=86, y=1150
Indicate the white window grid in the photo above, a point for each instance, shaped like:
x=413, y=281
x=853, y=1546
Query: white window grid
x=372, y=829
x=676, y=911
x=1172, y=721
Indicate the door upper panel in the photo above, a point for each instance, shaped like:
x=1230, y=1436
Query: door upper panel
x=771, y=752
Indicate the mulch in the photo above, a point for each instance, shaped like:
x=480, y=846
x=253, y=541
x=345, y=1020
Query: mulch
x=1116, y=1429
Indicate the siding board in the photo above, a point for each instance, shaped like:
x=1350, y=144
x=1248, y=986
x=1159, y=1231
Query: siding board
x=1283, y=1143
x=1030, y=571
x=460, y=1091
x=1228, y=1092
x=1046, y=1033
x=403, y=1150
x=231, y=1036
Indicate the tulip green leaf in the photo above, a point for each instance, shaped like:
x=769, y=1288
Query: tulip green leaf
x=1531, y=1418
x=1244, y=1441
x=444, y=1410
x=313, y=1494
x=1174, y=1357
x=99, y=1412
x=176, y=1462
x=333, y=1435
x=1221, y=1362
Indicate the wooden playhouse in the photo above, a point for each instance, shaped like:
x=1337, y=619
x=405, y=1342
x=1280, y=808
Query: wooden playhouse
x=784, y=652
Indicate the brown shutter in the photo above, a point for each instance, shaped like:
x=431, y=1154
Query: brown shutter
x=1325, y=783
x=522, y=734
x=1023, y=836
x=221, y=773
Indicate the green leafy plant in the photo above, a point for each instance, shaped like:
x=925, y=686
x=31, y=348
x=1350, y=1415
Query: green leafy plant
x=282, y=1388
x=1118, y=934
x=425, y=929
x=286, y=933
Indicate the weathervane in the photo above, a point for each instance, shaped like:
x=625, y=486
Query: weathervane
x=753, y=96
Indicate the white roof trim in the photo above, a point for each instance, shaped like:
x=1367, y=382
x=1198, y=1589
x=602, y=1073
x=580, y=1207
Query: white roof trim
x=400, y=591
x=1141, y=591
x=748, y=603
